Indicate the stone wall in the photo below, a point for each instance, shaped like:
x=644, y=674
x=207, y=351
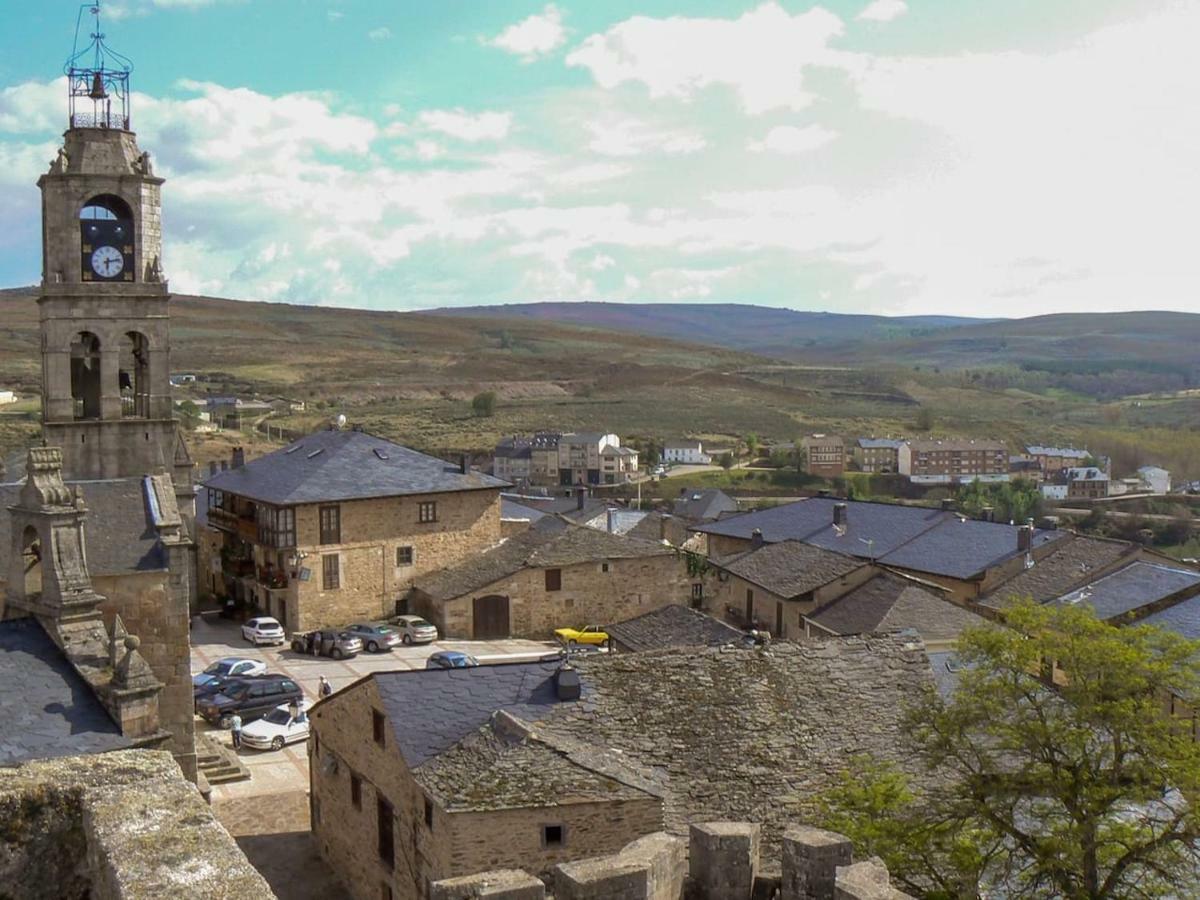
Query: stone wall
x=117, y=826
x=720, y=861
x=773, y=611
x=372, y=530
x=589, y=595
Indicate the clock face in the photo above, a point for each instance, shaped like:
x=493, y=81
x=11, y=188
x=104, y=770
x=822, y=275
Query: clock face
x=107, y=262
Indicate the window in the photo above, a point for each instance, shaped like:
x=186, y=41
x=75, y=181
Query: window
x=331, y=524
x=554, y=579
x=427, y=511
x=356, y=791
x=553, y=836
x=603, y=567
x=276, y=527
x=330, y=574
x=428, y=812
x=698, y=591
x=377, y=727
x=387, y=844
x=404, y=556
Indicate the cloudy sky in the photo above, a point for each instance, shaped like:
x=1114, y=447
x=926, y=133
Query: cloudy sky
x=993, y=157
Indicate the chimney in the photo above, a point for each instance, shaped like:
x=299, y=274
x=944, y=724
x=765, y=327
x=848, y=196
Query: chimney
x=464, y=464
x=212, y=467
x=566, y=683
x=823, y=492
x=239, y=458
x=839, y=515
x=947, y=504
x=756, y=538
x=1024, y=538
x=611, y=514
x=988, y=514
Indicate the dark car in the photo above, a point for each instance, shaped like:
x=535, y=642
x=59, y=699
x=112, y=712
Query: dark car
x=450, y=659
x=250, y=698
x=214, y=686
x=336, y=644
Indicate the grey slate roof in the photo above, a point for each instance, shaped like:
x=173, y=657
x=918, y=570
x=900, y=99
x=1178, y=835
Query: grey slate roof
x=431, y=710
x=1064, y=452
x=332, y=466
x=550, y=543
x=790, y=568
x=119, y=534
x=945, y=665
x=47, y=708
x=704, y=506
x=1183, y=618
x=921, y=539
x=1075, y=560
x=672, y=625
x=879, y=443
x=1134, y=586
x=891, y=603
x=514, y=510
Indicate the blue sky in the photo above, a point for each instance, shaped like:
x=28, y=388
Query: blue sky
x=998, y=157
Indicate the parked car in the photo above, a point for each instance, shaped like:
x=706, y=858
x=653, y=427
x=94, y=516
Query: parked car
x=415, y=630
x=589, y=634
x=263, y=630
x=229, y=666
x=249, y=698
x=337, y=644
x=278, y=727
x=213, y=687
x=450, y=659
x=375, y=638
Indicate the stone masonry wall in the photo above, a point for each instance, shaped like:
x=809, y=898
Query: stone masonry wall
x=371, y=530
x=162, y=622
x=589, y=596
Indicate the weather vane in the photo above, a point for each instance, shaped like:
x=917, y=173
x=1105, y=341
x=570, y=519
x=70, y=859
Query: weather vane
x=99, y=76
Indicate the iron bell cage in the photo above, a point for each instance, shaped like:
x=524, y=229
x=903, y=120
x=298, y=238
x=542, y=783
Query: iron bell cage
x=97, y=78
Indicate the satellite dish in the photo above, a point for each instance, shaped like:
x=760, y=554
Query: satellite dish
x=341, y=421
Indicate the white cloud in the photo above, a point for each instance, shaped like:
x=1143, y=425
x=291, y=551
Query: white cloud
x=761, y=55
x=465, y=126
x=383, y=33
x=790, y=139
x=534, y=37
x=631, y=137
x=883, y=11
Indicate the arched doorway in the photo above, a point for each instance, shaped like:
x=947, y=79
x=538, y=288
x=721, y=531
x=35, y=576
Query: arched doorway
x=31, y=561
x=489, y=616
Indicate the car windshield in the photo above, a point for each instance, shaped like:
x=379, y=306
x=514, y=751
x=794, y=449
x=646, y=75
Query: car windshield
x=463, y=662
x=347, y=636
x=278, y=717
x=371, y=629
x=418, y=623
x=220, y=667
x=268, y=625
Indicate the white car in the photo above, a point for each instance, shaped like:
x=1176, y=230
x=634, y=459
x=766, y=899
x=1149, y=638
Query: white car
x=263, y=630
x=277, y=728
x=229, y=667
x=415, y=630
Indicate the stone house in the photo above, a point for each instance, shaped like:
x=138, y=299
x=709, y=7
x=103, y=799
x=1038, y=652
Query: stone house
x=877, y=455
x=825, y=455
x=698, y=506
x=527, y=460
x=1086, y=483
x=939, y=461
x=672, y=625
x=335, y=527
x=553, y=575
x=1052, y=460
x=400, y=800
x=505, y=768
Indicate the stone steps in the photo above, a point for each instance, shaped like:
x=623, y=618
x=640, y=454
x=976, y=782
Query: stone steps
x=219, y=763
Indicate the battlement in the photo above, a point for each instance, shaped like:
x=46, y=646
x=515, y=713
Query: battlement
x=718, y=861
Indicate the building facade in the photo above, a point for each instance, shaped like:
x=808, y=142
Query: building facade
x=334, y=528
x=952, y=461
x=1155, y=479
x=688, y=453
x=594, y=458
x=825, y=455
x=1086, y=483
x=1053, y=460
x=877, y=455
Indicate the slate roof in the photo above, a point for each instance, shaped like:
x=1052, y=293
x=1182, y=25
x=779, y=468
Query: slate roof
x=936, y=541
x=891, y=603
x=945, y=665
x=333, y=465
x=748, y=734
x=431, y=710
x=120, y=536
x=1076, y=559
x=1086, y=473
x=514, y=510
x=704, y=506
x=790, y=568
x=879, y=443
x=1132, y=587
x=548, y=544
x=672, y=625
x=1064, y=452
x=47, y=708
x=1183, y=618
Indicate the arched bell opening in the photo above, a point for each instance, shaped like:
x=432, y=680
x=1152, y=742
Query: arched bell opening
x=85, y=375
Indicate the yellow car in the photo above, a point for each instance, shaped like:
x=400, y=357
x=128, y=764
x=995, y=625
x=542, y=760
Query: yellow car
x=589, y=634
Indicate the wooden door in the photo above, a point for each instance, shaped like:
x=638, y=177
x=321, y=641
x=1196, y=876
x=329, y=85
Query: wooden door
x=490, y=616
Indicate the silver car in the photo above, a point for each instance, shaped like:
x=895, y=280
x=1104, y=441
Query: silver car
x=415, y=630
x=375, y=637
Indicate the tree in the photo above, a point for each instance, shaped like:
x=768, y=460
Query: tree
x=189, y=415
x=752, y=445
x=1084, y=789
x=726, y=461
x=1013, y=501
x=484, y=404
x=924, y=419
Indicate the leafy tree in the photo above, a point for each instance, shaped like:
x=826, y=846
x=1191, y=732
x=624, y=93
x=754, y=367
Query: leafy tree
x=924, y=419
x=801, y=459
x=484, y=404
x=752, y=445
x=1083, y=789
x=726, y=461
x=189, y=415
x=1013, y=501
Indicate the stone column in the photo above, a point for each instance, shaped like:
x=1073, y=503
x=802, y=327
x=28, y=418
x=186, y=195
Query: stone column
x=723, y=860
x=811, y=858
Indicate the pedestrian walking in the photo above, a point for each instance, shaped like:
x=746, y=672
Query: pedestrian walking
x=324, y=689
x=235, y=728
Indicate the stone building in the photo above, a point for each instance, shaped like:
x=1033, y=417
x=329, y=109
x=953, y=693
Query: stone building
x=594, y=458
x=523, y=766
x=468, y=783
x=1086, y=483
x=336, y=526
x=106, y=396
x=825, y=455
x=552, y=576
x=527, y=460
x=877, y=455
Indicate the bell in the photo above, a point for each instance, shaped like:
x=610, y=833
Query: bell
x=98, y=92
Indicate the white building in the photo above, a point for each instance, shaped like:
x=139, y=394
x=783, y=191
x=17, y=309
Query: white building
x=1054, y=491
x=689, y=453
x=7, y=397
x=1155, y=479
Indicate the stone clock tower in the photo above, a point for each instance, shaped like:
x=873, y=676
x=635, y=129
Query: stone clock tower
x=106, y=392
